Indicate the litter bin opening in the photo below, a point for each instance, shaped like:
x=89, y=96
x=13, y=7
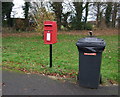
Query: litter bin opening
x=91, y=44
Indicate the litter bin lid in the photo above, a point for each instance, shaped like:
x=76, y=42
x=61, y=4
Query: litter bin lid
x=91, y=43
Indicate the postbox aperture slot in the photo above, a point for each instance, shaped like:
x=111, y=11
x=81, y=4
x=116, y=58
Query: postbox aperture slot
x=48, y=25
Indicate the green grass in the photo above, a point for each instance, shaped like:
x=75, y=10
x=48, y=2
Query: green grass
x=31, y=54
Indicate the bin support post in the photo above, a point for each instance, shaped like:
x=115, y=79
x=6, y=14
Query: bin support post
x=50, y=55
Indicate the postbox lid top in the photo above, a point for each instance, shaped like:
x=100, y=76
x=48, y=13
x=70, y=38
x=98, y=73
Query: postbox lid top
x=49, y=22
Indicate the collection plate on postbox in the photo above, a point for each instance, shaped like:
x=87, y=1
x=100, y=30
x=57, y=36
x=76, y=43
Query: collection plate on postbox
x=50, y=32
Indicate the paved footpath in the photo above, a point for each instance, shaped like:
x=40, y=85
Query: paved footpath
x=33, y=84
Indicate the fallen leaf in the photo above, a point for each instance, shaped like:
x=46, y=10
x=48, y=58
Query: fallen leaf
x=3, y=84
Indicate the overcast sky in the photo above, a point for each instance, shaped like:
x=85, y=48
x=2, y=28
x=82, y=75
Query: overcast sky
x=17, y=11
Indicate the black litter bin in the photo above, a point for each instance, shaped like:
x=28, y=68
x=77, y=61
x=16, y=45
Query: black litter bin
x=90, y=54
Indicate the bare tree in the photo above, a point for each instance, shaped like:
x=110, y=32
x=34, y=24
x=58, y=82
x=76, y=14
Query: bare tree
x=40, y=14
x=97, y=12
x=57, y=8
x=114, y=14
x=64, y=19
x=79, y=7
x=108, y=14
x=86, y=11
x=68, y=9
x=26, y=13
x=100, y=11
x=6, y=12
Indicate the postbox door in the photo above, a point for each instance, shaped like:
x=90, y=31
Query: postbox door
x=48, y=36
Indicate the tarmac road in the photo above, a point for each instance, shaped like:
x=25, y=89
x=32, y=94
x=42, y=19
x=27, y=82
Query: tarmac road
x=15, y=83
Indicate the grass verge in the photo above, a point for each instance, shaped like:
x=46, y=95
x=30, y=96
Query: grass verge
x=30, y=54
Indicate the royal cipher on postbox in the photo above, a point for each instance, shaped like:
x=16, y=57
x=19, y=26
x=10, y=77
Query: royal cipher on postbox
x=50, y=32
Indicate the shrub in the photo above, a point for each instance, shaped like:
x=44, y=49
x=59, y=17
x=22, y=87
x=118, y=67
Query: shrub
x=77, y=25
x=41, y=16
x=88, y=26
x=81, y=26
x=20, y=24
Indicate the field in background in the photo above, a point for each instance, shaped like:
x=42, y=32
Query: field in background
x=26, y=52
x=99, y=32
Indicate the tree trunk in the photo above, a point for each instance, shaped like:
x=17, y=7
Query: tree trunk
x=119, y=23
x=98, y=14
x=64, y=21
x=26, y=12
x=114, y=15
x=57, y=8
x=6, y=12
x=9, y=20
x=86, y=13
x=26, y=9
x=108, y=14
x=79, y=9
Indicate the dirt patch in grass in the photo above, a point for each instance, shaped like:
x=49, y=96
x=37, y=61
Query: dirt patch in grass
x=95, y=32
x=77, y=32
x=20, y=34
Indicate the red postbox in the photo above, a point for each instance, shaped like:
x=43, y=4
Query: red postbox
x=50, y=32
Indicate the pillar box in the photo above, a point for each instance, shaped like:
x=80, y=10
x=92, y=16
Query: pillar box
x=50, y=32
